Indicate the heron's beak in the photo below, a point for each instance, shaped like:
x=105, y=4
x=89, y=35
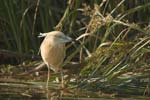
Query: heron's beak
x=65, y=39
x=68, y=39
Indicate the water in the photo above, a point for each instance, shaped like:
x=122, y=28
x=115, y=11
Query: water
x=37, y=91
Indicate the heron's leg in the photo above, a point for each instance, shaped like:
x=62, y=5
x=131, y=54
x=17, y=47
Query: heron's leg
x=62, y=79
x=48, y=75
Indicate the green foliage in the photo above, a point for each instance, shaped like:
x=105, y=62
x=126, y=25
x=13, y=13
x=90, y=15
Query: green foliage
x=21, y=22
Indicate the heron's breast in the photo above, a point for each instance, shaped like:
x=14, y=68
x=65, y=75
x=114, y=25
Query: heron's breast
x=53, y=55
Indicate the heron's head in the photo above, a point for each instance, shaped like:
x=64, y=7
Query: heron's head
x=57, y=37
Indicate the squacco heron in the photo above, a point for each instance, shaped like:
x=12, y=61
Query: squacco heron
x=53, y=51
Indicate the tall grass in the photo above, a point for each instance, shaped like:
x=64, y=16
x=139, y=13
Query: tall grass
x=120, y=62
x=23, y=20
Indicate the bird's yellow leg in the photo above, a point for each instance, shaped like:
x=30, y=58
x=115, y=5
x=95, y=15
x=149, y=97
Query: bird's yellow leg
x=48, y=76
x=62, y=79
